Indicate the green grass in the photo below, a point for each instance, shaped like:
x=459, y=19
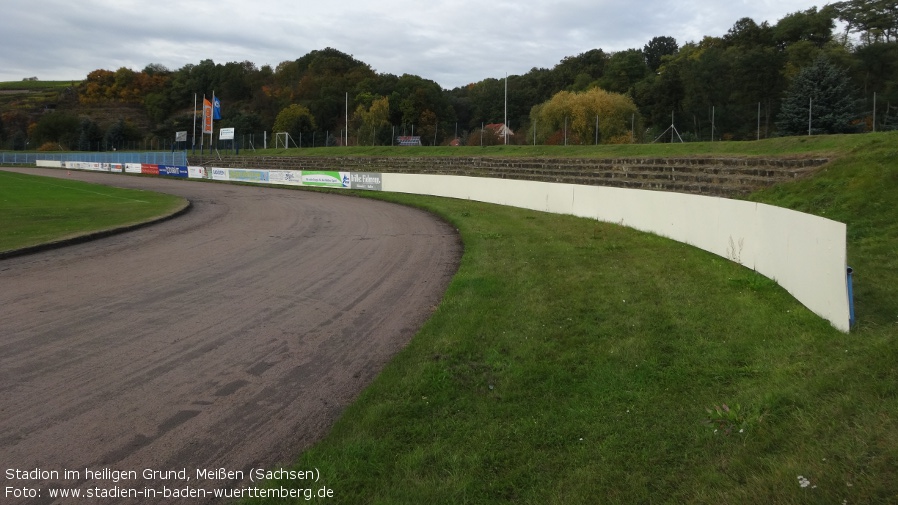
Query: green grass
x=573, y=361
x=36, y=210
x=36, y=85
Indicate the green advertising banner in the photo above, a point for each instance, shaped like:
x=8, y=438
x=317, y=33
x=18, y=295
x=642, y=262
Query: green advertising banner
x=325, y=178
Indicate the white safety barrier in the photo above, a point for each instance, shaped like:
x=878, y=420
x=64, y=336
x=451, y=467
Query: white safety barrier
x=804, y=254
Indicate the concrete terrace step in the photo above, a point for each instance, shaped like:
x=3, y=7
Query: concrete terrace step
x=716, y=176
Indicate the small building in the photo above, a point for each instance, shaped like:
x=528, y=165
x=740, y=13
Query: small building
x=500, y=130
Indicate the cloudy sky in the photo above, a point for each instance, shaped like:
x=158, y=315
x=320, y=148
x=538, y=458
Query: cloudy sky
x=452, y=43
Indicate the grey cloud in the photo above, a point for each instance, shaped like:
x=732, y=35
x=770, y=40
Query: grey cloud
x=453, y=44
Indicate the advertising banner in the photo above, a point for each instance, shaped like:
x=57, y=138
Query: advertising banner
x=245, y=175
x=220, y=174
x=116, y=167
x=366, y=180
x=132, y=168
x=181, y=136
x=325, y=179
x=288, y=177
x=207, y=116
x=173, y=171
x=226, y=134
x=148, y=169
x=196, y=172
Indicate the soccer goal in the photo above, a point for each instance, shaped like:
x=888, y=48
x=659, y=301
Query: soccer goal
x=283, y=139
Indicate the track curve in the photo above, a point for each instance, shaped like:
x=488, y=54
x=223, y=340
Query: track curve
x=231, y=337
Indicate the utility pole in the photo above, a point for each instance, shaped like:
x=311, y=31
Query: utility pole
x=759, y=120
x=874, y=112
x=597, y=130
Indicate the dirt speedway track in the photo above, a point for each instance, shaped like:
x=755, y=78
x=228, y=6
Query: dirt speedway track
x=231, y=337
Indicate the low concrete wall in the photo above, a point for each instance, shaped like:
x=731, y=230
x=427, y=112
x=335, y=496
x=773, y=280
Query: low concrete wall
x=804, y=254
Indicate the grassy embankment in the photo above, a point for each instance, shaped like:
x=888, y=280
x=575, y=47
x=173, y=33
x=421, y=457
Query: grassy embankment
x=579, y=362
x=35, y=210
x=573, y=361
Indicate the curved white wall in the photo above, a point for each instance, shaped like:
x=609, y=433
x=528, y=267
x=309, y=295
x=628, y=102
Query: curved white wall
x=803, y=253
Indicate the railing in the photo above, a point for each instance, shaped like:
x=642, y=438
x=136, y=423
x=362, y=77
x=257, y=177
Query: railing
x=151, y=157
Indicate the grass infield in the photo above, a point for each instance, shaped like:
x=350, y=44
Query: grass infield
x=36, y=210
x=573, y=361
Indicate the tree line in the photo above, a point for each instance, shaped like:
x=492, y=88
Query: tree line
x=756, y=80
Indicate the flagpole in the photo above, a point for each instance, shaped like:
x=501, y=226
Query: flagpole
x=203, y=132
x=193, y=133
x=211, y=122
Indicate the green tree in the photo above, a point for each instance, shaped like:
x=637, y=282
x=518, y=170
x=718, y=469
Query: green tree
x=657, y=49
x=875, y=20
x=89, y=136
x=57, y=127
x=15, y=127
x=623, y=70
x=826, y=90
x=295, y=120
x=591, y=63
x=810, y=25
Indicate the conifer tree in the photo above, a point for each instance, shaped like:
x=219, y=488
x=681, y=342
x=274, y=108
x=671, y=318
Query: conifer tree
x=826, y=90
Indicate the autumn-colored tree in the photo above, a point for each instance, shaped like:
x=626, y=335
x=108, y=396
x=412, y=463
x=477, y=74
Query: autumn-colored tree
x=371, y=119
x=95, y=86
x=576, y=113
x=123, y=85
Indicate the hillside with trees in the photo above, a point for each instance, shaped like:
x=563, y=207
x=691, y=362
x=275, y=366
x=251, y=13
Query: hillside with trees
x=758, y=80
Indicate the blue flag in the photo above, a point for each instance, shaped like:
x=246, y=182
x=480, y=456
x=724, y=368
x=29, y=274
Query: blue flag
x=216, y=109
